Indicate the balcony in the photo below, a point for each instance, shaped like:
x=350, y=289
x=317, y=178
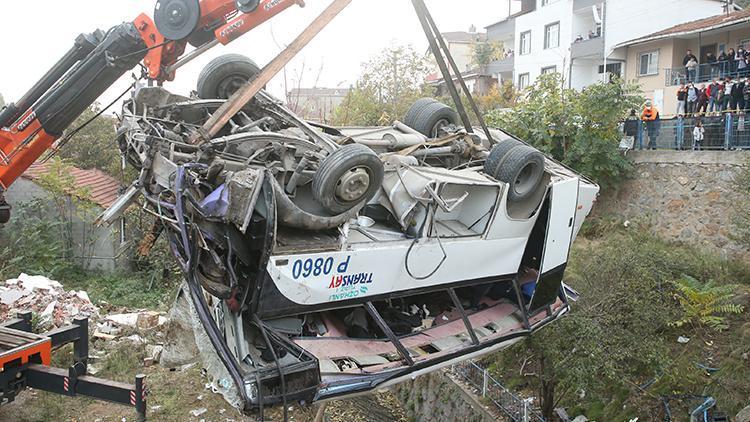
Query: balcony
x=501, y=66
x=585, y=4
x=588, y=49
x=704, y=73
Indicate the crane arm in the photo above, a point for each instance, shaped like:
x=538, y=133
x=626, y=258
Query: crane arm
x=31, y=126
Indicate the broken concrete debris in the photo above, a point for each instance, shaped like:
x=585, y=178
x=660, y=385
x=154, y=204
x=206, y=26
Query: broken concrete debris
x=144, y=320
x=44, y=297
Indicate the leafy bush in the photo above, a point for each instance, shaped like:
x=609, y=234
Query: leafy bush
x=705, y=303
x=578, y=128
x=32, y=242
x=621, y=334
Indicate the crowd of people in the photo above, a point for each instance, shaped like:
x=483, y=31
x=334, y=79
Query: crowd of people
x=725, y=95
x=730, y=63
x=650, y=120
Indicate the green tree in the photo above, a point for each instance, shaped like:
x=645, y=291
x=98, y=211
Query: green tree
x=578, y=128
x=2, y=101
x=94, y=145
x=484, y=53
x=389, y=85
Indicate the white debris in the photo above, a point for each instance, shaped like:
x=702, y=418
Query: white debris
x=198, y=412
x=83, y=296
x=9, y=297
x=128, y=320
x=135, y=338
x=683, y=340
x=48, y=312
x=142, y=320
x=35, y=282
x=154, y=352
x=45, y=297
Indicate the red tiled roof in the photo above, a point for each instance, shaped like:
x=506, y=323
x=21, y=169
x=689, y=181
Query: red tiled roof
x=103, y=188
x=713, y=22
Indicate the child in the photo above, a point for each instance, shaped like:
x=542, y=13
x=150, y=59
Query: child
x=698, y=133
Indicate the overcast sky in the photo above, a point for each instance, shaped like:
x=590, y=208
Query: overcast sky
x=37, y=33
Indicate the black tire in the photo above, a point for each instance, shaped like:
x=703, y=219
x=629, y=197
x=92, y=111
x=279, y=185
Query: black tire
x=416, y=108
x=328, y=189
x=224, y=75
x=522, y=168
x=431, y=118
x=497, y=154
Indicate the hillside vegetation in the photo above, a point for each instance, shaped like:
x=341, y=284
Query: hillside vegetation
x=658, y=324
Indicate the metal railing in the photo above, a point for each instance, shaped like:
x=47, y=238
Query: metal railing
x=515, y=408
x=727, y=131
x=704, y=73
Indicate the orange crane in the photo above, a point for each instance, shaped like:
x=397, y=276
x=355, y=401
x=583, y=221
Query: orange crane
x=32, y=125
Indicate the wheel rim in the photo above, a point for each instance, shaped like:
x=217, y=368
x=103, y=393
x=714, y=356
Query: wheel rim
x=524, y=182
x=230, y=85
x=438, y=127
x=353, y=185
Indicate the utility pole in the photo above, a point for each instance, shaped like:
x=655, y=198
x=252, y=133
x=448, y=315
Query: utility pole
x=604, y=39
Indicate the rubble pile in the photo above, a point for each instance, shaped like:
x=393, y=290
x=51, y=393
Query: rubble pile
x=46, y=298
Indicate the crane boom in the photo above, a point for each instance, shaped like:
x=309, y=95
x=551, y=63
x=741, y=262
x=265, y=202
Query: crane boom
x=97, y=60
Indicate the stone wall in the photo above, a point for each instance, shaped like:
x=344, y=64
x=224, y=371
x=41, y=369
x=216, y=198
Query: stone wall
x=684, y=196
x=437, y=397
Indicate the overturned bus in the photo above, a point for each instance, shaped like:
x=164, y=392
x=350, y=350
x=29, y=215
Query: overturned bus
x=325, y=262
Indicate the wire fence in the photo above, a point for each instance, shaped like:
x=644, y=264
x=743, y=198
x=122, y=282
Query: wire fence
x=729, y=131
x=515, y=408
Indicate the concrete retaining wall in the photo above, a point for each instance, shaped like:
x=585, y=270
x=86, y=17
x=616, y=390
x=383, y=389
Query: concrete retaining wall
x=684, y=195
x=437, y=397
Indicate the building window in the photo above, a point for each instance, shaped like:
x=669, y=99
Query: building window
x=648, y=63
x=523, y=81
x=549, y=69
x=552, y=35
x=525, y=47
x=612, y=69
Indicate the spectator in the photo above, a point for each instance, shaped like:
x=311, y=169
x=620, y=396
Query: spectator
x=688, y=57
x=692, y=98
x=712, y=91
x=746, y=96
x=722, y=62
x=714, y=69
x=741, y=60
x=681, y=100
x=726, y=97
x=692, y=69
x=698, y=134
x=630, y=130
x=737, y=92
x=732, y=64
x=702, y=104
x=650, y=116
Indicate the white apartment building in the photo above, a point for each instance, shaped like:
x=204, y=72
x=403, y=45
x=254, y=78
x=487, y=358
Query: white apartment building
x=577, y=37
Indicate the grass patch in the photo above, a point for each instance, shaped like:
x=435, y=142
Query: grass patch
x=134, y=290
